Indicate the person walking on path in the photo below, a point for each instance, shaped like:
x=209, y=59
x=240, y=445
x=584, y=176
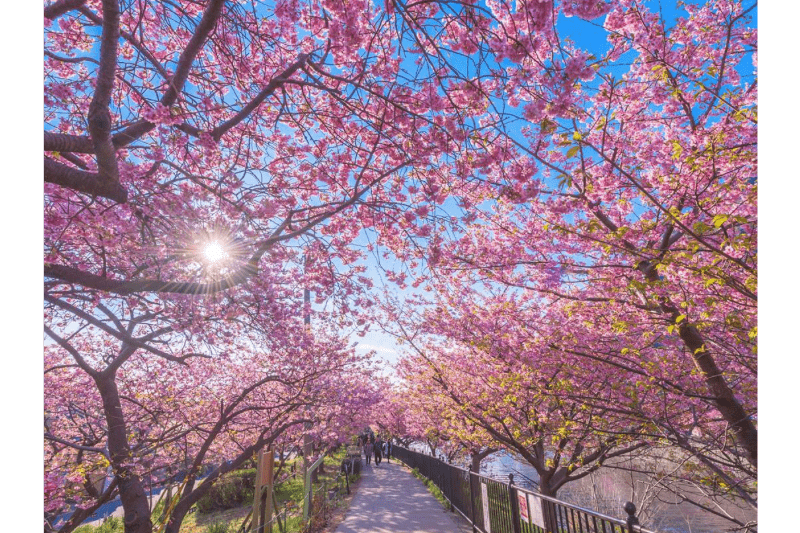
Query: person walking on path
x=378, y=446
x=387, y=450
x=368, y=451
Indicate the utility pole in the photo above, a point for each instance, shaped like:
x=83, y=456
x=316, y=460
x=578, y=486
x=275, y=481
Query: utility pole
x=307, y=321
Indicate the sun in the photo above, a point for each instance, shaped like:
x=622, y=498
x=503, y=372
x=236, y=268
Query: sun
x=214, y=252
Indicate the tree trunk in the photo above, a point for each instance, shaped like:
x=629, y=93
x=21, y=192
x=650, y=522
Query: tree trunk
x=192, y=495
x=550, y=519
x=724, y=400
x=134, y=500
x=477, y=456
x=733, y=412
x=476, y=462
x=546, y=487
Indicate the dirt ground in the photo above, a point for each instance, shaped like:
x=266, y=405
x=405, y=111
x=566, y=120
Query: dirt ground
x=337, y=514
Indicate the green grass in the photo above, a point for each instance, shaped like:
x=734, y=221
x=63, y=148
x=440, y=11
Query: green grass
x=218, y=527
x=112, y=524
x=432, y=488
x=290, y=490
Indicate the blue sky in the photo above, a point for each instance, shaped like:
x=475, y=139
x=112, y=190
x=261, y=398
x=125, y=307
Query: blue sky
x=588, y=35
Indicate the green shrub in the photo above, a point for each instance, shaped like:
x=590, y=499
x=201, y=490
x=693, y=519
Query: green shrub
x=217, y=527
x=84, y=529
x=232, y=490
x=112, y=524
x=158, y=510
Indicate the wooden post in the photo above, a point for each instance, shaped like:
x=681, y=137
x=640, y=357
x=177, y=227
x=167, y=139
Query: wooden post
x=262, y=497
x=256, y=523
x=307, y=447
x=308, y=488
x=267, y=483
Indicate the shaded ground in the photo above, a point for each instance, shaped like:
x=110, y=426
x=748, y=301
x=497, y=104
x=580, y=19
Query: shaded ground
x=391, y=500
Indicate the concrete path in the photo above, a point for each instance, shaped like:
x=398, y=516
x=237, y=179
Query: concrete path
x=391, y=500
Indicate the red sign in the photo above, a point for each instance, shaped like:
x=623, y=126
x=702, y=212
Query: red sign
x=523, y=507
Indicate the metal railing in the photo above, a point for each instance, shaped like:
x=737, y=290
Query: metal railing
x=492, y=506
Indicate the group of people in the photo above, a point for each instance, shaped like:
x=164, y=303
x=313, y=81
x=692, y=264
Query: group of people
x=378, y=448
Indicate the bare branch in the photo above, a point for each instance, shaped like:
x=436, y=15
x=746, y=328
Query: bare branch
x=75, y=445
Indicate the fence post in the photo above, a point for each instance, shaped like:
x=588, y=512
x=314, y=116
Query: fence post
x=550, y=516
x=347, y=470
x=630, y=508
x=471, y=500
x=514, y=501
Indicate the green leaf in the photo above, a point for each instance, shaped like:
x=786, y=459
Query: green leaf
x=700, y=227
x=680, y=319
x=572, y=151
x=719, y=220
x=677, y=149
x=547, y=126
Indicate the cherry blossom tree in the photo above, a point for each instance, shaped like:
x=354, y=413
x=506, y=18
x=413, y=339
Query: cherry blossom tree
x=495, y=390
x=616, y=198
x=206, y=163
x=522, y=374
x=198, y=155
x=148, y=418
x=429, y=418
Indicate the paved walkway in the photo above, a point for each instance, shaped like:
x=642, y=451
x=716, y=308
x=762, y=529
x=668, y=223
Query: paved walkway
x=391, y=500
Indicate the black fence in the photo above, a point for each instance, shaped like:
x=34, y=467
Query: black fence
x=492, y=506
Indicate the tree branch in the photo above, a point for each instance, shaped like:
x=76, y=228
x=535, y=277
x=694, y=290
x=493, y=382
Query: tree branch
x=56, y=9
x=82, y=513
x=92, y=449
x=72, y=351
x=99, y=116
x=125, y=338
x=81, y=181
x=274, y=83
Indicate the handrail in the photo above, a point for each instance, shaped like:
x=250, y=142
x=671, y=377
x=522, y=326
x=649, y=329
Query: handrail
x=501, y=507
